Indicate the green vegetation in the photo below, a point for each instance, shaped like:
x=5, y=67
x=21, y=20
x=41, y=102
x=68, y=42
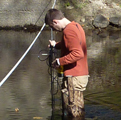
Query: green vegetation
x=67, y=4
x=81, y=5
x=76, y=4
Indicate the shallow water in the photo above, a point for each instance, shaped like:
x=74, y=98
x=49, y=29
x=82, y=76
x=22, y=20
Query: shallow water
x=27, y=89
x=26, y=93
x=103, y=94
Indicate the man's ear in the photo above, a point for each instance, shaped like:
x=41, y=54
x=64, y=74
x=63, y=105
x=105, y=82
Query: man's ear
x=55, y=21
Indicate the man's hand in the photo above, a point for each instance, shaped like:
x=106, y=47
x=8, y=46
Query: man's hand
x=55, y=63
x=52, y=43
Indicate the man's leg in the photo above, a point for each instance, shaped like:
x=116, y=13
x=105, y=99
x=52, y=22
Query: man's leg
x=76, y=86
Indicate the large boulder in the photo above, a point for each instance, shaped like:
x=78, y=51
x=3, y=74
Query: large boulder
x=116, y=21
x=100, y=21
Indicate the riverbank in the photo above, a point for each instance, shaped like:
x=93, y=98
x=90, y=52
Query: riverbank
x=85, y=12
x=30, y=14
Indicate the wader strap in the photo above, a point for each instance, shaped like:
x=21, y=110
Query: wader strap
x=70, y=90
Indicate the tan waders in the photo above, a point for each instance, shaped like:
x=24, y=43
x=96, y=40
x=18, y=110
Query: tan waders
x=73, y=101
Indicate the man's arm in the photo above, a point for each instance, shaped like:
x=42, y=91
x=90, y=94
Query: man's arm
x=73, y=44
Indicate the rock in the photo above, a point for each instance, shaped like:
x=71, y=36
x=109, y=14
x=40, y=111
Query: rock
x=100, y=21
x=116, y=21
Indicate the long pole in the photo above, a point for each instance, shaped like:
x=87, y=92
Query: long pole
x=51, y=68
x=52, y=71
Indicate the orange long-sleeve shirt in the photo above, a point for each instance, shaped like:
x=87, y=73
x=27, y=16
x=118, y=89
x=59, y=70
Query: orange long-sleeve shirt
x=73, y=50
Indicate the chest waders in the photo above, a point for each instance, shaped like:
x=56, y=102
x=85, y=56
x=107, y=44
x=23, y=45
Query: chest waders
x=72, y=100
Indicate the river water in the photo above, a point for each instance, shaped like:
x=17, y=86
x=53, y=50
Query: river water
x=26, y=93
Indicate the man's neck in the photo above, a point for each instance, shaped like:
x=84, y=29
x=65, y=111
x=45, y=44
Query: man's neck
x=65, y=22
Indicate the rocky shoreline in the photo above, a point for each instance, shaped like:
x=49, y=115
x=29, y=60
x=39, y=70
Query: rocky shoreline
x=101, y=22
x=91, y=14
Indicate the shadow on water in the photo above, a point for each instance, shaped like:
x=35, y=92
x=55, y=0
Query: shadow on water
x=26, y=93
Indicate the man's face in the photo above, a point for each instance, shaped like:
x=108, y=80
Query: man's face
x=55, y=25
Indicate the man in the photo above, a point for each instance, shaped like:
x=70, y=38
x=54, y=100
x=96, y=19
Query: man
x=73, y=59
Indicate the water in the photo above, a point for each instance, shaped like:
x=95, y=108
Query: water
x=28, y=88
x=103, y=94
x=26, y=93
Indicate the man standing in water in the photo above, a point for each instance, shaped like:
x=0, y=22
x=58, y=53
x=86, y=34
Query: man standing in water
x=73, y=59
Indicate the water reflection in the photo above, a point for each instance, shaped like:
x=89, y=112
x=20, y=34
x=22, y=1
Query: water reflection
x=104, y=88
x=28, y=88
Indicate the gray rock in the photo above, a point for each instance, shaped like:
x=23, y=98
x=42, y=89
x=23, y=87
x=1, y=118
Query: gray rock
x=100, y=21
x=116, y=21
